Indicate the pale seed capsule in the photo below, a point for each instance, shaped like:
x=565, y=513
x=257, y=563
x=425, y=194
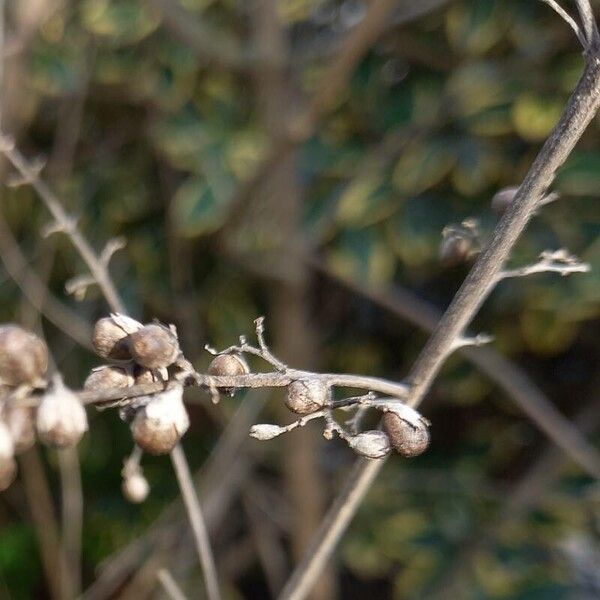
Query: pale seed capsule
x=408, y=439
x=23, y=356
x=108, y=377
x=8, y=465
x=20, y=421
x=305, y=396
x=110, y=336
x=154, y=346
x=159, y=425
x=135, y=488
x=371, y=444
x=503, y=199
x=228, y=365
x=265, y=431
x=61, y=419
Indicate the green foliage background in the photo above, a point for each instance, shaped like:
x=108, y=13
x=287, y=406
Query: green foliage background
x=441, y=113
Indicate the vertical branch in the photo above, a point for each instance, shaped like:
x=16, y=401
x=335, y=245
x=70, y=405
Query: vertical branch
x=40, y=504
x=190, y=499
x=72, y=518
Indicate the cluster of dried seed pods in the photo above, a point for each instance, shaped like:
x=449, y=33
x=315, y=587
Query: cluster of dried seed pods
x=59, y=419
x=310, y=396
x=140, y=354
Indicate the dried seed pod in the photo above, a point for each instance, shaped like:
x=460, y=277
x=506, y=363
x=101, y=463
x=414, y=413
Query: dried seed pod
x=228, y=365
x=305, y=396
x=8, y=465
x=265, y=431
x=372, y=444
x=108, y=377
x=455, y=250
x=61, y=419
x=503, y=199
x=135, y=487
x=110, y=336
x=20, y=421
x=154, y=346
x=408, y=438
x=459, y=242
x=159, y=425
x=23, y=356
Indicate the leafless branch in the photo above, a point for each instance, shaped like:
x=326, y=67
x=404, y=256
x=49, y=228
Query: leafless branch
x=63, y=221
x=72, y=517
x=512, y=379
x=39, y=499
x=192, y=504
x=170, y=585
x=580, y=110
x=558, y=261
x=568, y=19
x=37, y=293
x=588, y=22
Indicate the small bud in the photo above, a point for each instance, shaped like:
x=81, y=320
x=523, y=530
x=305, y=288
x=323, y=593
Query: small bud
x=265, y=431
x=455, y=250
x=110, y=336
x=305, y=396
x=459, y=243
x=61, y=419
x=23, y=356
x=8, y=465
x=407, y=438
x=228, y=365
x=20, y=421
x=135, y=487
x=159, y=425
x=154, y=346
x=108, y=377
x=372, y=444
x=503, y=199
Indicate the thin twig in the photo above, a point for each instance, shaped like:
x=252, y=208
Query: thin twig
x=39, y=499
x=190, y=499
x=588, y=21
x=568, y=19
x=170, y=585
x=509, y=376
x=332, y=528
x=72, y=517
x=580, y=110
x=64, y=222
x=36, y=291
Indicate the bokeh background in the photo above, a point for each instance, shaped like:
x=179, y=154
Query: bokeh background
x=154, y=116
